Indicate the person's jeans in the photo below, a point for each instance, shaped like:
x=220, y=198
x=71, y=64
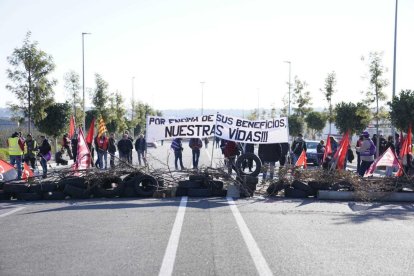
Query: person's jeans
x=103, y=156
x=364, y=167
x=178, y=156
x=17, y=160
x=295, y=158
x=112, y=159
x=196, y=157
x=271, y=166
x=124, y=156
x=231, y=162
x=43, y=162
x=141, y=154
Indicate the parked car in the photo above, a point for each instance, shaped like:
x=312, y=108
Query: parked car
x=311, y=153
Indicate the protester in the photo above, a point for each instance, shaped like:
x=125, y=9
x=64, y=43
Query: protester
x=30, y=148
x=269, y=154
x=397, y=144
x=112, y=149
x=74, y=143
x=248, y=148
x=367, y=152
x=91, y=150
x=285, y=152
x=320, y=151
x=334, y=145
x=66, y=145
x=44, y=154
x=206, y=141
x=141, y=149
x=132, y=142
x=358, y=145
x=230, y=151
x=217, y=141
x=390, y=144
x=102, y=148
x=298, y=146
x=15, y=153
x=96, y=142
x=195, y=144
x=59, y=157
x=177, y=147
x=382, y=144
x=124, y=148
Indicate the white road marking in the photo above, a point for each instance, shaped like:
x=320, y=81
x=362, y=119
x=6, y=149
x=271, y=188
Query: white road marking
x=11, y=212
x=171, y=251
x=254, y=250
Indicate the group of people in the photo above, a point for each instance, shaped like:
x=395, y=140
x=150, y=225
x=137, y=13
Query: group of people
x=28, y=150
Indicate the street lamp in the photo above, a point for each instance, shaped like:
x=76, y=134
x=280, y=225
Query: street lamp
x=132, y=110
x=395, y=59
x=202, y=97
x=289, y=85
x=83, y=79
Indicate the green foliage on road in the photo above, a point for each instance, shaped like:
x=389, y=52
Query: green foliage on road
x=402, y=110
x=352, y=117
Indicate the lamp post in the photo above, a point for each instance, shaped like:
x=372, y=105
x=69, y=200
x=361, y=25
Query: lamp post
x=395, y=59
x=83, y=79
x=289, y=85
x=202, y=97
x=132, y=109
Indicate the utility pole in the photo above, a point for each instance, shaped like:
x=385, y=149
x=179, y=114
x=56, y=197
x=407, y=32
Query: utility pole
x=395, y=60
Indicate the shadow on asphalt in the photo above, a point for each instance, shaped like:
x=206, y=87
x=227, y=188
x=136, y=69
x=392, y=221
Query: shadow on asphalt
x=196, y=203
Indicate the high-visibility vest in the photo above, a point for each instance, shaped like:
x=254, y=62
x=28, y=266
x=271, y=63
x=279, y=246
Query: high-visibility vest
x=14, y=148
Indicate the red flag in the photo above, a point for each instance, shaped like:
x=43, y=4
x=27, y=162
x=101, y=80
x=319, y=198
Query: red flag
x=405, y=150
x=302, y=161
x=71, y=127
x=7, y=171
x=340, y=154
x=328, y=148
x=27, y=172
x=388, y=159
x=89, y=138
x=83, y=160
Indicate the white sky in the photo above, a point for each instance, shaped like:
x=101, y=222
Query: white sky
x=236, y=46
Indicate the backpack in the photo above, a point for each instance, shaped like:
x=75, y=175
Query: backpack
x=372, y=148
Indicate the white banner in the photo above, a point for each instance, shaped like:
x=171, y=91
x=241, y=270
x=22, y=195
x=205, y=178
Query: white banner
x=223, y=126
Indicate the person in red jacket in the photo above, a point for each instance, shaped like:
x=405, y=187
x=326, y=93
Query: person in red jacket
x=102, y=148
x=231, y=150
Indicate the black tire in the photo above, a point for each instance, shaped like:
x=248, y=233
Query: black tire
x=342, y=185
x=15, y=188
x=274, y=188
x=248, y=179
x=105, y=187
x=220, y=193
x=181, y=192
x=129, y=191
x=299, y=185
x=55, y=195
x=4, y=196
x=248, y=189
x=198, y=177
x=146, y=185
x=294, y=193
x=132, y=175
x=75, y=181
x=255, y=159
x=35, y=188
x=29, y=196
x=76, y=192
x=203, y=192
x=215, y=185
x=189, y=184
x=49, y=186
x=160, y=182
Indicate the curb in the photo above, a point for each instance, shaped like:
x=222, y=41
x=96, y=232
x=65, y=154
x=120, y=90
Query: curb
x=376, y=196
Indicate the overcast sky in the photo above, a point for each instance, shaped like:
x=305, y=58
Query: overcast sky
x=236, y=47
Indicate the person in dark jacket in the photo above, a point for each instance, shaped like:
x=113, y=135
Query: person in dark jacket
x=320, y=151
x=177, y=147
x=112, y=150
x=285, y=152
x=132, y=142
x=195, y=144
x=74, y=143
x=30, y=148
x=44, y=154
x=298, y=146
x=59, y=157
x=269, y=154
x=231, y=150
x=141, y=148
x=124, y=148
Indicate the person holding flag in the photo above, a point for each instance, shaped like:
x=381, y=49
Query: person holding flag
x=30, y=148
x=366, y=152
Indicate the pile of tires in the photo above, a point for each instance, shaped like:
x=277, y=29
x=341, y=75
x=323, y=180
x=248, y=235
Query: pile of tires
x=22, y=190
x=301, y=189
x=200, y=186
x=248, y=184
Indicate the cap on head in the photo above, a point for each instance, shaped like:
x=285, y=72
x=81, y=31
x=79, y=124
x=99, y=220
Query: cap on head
x=365, y=134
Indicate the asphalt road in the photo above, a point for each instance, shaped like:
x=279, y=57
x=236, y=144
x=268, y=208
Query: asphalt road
x=131, y=237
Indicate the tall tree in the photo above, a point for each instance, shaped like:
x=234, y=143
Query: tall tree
x=328, y=91
x=377, y=82
x=117, y=116
x=100, y=97
x=301, y=98
x=402, y=110
x=141, y=110
x=73, y=86
x=316, y=122
x=31, y=81
x=296, y=124
x=353, y=117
